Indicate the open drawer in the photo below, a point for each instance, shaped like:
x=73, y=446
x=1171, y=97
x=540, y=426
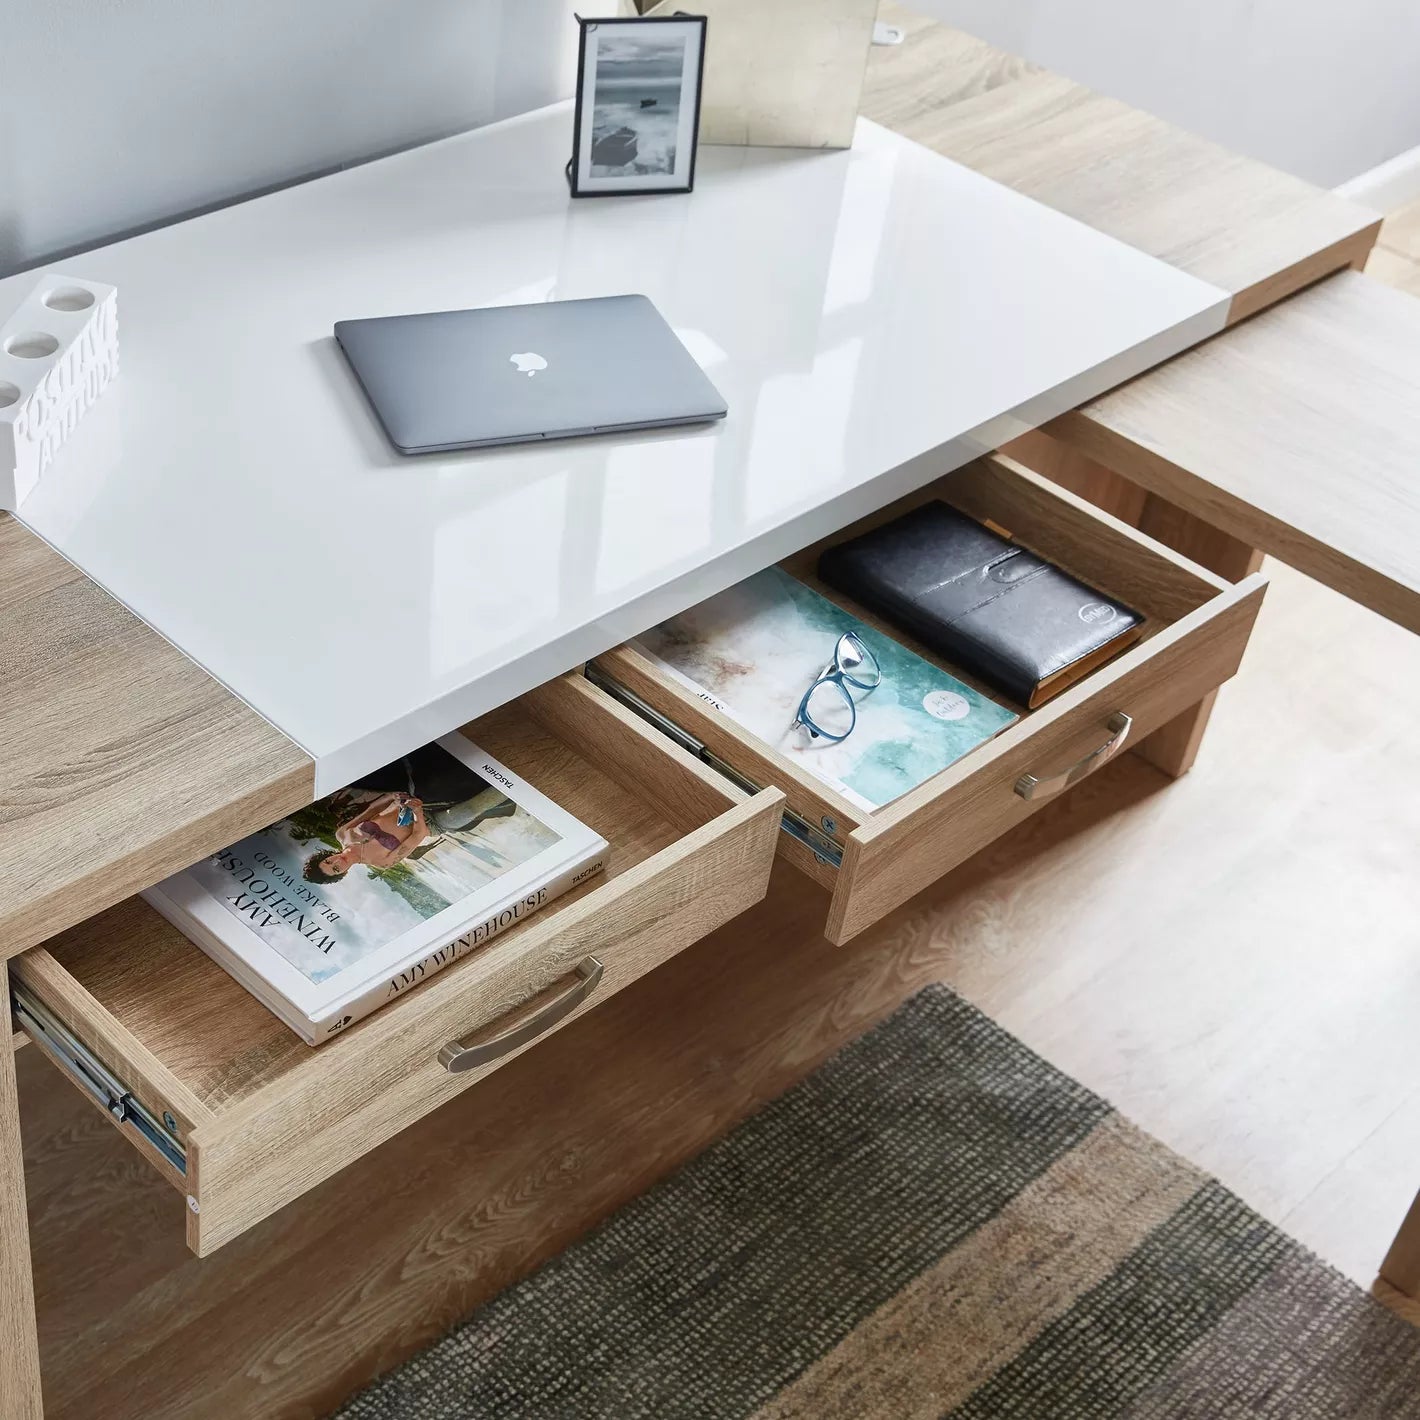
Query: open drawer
x=1197, y=628
x=242, y=1116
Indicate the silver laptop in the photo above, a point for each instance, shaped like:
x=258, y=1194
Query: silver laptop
x=514, y=374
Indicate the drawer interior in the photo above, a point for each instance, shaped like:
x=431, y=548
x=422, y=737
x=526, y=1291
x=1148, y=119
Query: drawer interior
x=180, y=1031
x=1175, y=596
x=1098, y=549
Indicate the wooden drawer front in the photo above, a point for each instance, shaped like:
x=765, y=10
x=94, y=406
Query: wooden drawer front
x=1198, y=626
x=264, y=1117
x=941, y=824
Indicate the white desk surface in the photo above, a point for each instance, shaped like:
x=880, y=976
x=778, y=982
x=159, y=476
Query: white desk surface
x=874, y=318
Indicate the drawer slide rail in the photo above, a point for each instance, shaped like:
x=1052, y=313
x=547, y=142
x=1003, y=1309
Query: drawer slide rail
x=824, y=848
x=81, y=1064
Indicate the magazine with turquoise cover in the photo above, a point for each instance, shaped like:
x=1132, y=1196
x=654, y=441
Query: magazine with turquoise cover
x=754, y=649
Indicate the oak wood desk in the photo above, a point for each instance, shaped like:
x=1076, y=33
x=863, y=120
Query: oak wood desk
x=104, y=715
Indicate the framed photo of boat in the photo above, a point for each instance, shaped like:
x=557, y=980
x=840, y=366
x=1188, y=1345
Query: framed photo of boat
x=637, y=116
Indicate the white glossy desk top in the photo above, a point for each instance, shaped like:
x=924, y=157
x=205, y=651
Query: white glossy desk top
x=873, y=317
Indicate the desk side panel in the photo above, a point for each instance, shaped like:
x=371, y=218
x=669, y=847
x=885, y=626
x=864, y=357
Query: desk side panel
x=120, y=760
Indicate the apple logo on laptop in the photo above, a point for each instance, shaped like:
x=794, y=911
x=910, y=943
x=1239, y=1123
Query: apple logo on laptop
x=528, y=363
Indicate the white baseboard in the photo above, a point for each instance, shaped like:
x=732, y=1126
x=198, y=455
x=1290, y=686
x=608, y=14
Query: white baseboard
x=1388, y=187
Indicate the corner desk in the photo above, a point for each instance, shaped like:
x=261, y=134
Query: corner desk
x=1144, y=356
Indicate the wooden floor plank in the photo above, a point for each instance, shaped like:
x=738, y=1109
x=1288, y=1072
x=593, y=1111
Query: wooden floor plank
x=1394, y=269
x=1401, y=232
x=1396, y=258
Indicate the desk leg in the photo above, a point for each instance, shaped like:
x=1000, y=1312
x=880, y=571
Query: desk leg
x=1401, y=1267
x=19, y=1351
x=1172, y=747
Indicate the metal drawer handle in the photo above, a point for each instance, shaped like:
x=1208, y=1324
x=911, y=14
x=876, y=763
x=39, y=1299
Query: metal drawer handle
x=1119, y=724
x=457, y=1058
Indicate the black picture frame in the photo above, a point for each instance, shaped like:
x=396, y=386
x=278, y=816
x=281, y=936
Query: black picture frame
x=575, y=178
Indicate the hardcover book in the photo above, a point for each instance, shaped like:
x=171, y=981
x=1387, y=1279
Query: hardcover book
x=756, y=648
x=336, y=910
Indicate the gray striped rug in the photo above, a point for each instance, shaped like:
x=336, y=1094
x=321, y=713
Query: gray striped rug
x=936, y=1223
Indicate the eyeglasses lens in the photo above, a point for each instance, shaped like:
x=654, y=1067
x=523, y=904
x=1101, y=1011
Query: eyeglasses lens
x=829, y=709
x=857, y=663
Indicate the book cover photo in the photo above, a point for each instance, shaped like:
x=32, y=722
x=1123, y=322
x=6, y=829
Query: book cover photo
x=373, y=887
x=372, y=861
x=755, y=648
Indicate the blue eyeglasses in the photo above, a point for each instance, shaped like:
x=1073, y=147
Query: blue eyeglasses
x=827, y=710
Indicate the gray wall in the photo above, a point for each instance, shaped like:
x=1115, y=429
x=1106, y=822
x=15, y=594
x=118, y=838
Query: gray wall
x=119, y=114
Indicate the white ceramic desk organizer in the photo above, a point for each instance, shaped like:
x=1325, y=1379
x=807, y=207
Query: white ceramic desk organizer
x=58, y=352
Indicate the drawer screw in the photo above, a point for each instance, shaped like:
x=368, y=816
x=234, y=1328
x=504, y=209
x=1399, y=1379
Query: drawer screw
x=830, y=825
x=170, y=1122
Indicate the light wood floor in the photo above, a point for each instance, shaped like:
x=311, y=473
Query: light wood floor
x=1232, y=960
x=1396, y=256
